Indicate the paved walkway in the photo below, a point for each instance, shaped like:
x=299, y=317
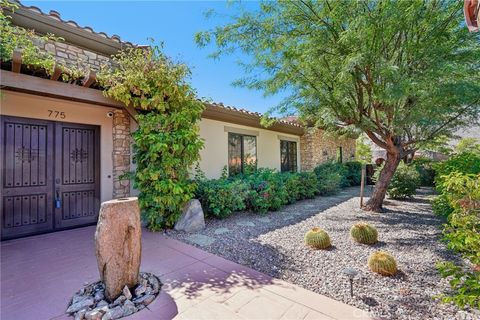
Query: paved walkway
x=39, y=274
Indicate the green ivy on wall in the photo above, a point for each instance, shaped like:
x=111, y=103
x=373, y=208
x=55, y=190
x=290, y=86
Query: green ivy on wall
x=167, y=142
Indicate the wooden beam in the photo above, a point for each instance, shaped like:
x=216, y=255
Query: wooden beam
x=90, y=79
x=57, y=72
x=56, y=89
x=16, y=60
x=132, y=112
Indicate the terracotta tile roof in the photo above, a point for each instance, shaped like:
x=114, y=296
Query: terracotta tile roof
x=55, y=15
x=258, y=115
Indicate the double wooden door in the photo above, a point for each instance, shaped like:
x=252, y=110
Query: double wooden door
x=50, y=174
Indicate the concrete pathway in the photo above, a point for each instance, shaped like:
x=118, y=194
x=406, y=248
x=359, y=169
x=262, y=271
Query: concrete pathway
x=39, y=275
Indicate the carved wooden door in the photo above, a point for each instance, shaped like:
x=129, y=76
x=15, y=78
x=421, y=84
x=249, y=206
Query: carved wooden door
x=26, y=165
x=50, y=176
x=77, y=175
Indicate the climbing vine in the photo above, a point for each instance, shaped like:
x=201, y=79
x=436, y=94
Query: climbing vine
x=167, y=141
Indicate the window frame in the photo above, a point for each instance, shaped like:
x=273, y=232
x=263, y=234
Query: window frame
x=289, y=166
x=242, y=152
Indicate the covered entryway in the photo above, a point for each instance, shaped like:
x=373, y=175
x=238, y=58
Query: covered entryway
x=50, y=176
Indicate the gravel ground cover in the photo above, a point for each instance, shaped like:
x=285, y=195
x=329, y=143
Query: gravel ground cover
x=273, y=244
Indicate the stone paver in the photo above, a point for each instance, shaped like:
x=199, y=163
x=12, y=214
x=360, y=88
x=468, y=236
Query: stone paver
x=245, y=223
x=221, y=230
x=39, y=274
x=264, y=219
x=201, y=240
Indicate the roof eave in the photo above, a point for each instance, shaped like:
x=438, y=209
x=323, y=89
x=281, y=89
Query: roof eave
x=42, y=24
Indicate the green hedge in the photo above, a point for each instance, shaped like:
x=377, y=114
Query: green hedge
x=266, y=190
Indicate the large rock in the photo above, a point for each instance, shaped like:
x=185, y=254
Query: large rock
x=192, y=218
x=118, y=245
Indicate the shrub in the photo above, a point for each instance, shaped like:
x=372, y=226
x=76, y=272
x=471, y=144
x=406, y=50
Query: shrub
x=292, y=185
x=329, y=183
x=441, y=206
x=383, y=263
x=353, y=172
x=267, y=191
x=328, y=169
x=465, y=285
x=463, y=163
x=308, y=186
x=424, y=167
x=221, y=197
x=460, y=201
x=364, y=233
x=462, y=229
x=317, y=238
x=404, y=182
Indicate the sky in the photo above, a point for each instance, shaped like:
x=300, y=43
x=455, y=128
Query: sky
x=175, y=24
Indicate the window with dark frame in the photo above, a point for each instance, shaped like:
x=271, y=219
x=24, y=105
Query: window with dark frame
x=288, y=156
x=242, y=151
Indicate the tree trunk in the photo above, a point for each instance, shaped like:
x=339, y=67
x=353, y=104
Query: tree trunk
x=376, y=200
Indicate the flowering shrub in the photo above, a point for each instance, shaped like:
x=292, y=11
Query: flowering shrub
x=267, y=191
x=222, y=197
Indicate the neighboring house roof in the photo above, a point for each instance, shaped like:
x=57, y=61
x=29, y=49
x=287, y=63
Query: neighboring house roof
x=31, y=17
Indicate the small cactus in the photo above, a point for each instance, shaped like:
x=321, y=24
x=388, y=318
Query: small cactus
x=364, y=233
x=317, y=238
x=382, y=263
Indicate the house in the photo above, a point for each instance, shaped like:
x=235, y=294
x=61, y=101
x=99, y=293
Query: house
x=65, y=146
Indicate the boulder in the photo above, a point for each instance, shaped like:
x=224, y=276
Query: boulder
x=118, y=245
x=192, y=218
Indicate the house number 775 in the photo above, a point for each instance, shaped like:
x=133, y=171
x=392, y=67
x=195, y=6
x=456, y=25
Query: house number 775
x=56, y=114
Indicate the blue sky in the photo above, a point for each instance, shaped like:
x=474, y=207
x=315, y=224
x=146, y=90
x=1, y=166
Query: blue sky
x=174, y=23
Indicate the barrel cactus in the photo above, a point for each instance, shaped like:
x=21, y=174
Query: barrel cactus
x=364, y=233
x=382, y=263
x=317, y=238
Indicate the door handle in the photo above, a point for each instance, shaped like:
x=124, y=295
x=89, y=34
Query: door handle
x=58, y=201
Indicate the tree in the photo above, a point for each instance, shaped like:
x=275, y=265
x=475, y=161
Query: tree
x=402, y=72
x=471, y=145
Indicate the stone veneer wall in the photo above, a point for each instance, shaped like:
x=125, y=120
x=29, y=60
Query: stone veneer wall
x=70, y=55
x=316, y=147
x=121, y=153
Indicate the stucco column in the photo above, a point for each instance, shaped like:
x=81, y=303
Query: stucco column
x=121, y=153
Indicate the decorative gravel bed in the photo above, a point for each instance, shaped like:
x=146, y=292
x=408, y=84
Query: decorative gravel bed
x=273, y=244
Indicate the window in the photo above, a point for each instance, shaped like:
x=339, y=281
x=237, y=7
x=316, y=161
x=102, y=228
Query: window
x=242, y=151
x=288, y=156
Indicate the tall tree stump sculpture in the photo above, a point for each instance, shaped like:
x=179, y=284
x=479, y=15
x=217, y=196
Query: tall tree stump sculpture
x=118, y=245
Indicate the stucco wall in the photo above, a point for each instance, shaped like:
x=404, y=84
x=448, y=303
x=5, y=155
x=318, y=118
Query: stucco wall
x=318, y=147
x=36, y=107
x=214, y=155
